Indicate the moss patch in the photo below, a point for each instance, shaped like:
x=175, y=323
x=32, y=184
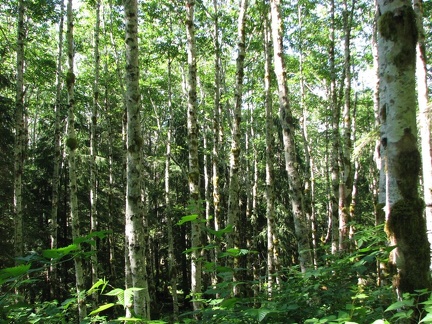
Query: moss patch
x=70, y=79
x=72, y=143
x=400, y=26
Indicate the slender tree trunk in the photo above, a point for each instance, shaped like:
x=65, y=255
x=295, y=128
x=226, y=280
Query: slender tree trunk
x=335, y=138
x=135, y=220
x=425, y=120
x=93, y=152
x=194, y=173
x=308, y=174
x=234, y=187
x=272, y=262
x=19, y=133
x=171, y=257
x=295, y=182
x=346, y=181
x=71, y=146
x=57, y=157
x=405, y=225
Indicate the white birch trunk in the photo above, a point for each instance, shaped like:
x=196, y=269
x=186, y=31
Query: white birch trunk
x=296, y=195
x=71, y=146
x=57, y=155
x=194, y=174
x=272, y=261
x=93, y=152
x=234, y=187
x=405, y=225
x=425, y=120
x=135, y=219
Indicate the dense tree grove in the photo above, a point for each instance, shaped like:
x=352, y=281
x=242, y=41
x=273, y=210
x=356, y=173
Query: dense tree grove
x=215, y=161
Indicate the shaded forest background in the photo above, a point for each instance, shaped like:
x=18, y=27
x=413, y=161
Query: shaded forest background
x=345, y=252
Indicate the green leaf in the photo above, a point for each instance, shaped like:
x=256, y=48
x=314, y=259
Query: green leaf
x=188, y=218
x=427, y=319
x=128, y=296
x=221, y=232
x=115, y=292
x=12, y=272
x=229, y=303
x=60, y=252
x=102, y=308
x=95, y=287
x=400, y=304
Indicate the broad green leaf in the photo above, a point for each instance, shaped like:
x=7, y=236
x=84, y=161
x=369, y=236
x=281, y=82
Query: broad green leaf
x=13, y=272
x=229, y=303
x=188, y=218
x=221, y=232
x=95, y=287
x=128, y=296
x=427, y=319
x=102, y=308
x=60, y=252
x=400, y=304
x=115, y=292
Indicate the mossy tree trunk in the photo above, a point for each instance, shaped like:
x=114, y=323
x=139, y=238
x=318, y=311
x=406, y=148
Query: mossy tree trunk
x=425, y=117
x=194, y=172
x=290, y=151
x=71, y=147
x=19, y=133
x=57, y=157
x=405, y=225
x=134, y=226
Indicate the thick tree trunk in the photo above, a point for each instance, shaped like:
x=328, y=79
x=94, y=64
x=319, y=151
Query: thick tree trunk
x=405, y=225
x=425, y=119
x=19, y=133
x=194, y=172
x=71, y=146
x=135, y=218
x=295, y=182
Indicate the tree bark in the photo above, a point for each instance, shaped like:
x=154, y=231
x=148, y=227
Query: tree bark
x=405, y=225
x=425, y=120
x=135, y=218
x=93, y=152
x=287, y=122
x=194, y=172
x=71, y=147
x=57, y=156
x=19, y=133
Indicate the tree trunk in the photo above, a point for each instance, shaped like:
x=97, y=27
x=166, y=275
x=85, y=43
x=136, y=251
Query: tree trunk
x=287, y=121
x=405, y=225
x=19, y=133
x=71, y=146
x=335, y=138
x=134, y=226
x=346, y=181
x=272, y=261
x=93, y=152
x=425, y=119
x=194, y=173
x=57, y=157
x=234, y=187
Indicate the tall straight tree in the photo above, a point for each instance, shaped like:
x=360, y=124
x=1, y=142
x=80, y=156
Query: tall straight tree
x=71, y=145
x=287, y=122
x=234, y=187
x=93, y=147
x=425, y=117
x=19, y=133
x=194, y=172
x=272, y=246
x=405, y=225
x=347, y=174
x=57, y=152
x=136, y=273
